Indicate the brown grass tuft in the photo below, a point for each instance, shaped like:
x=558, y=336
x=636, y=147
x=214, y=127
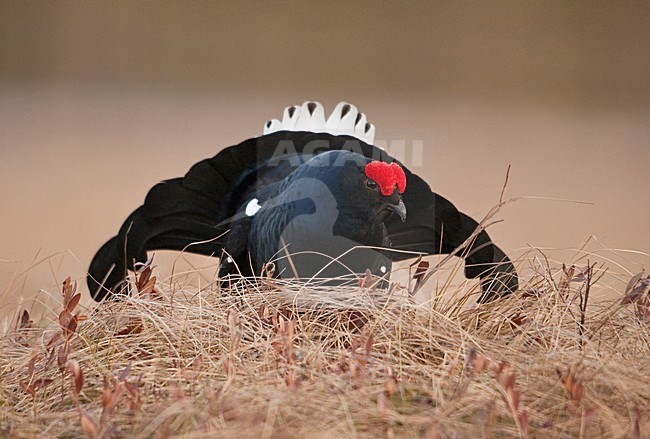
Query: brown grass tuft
x=266, y=358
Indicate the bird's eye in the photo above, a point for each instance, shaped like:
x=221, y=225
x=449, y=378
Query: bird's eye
x=372, y=184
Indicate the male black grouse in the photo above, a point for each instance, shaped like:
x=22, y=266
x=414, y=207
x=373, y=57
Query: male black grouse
x=314, y=197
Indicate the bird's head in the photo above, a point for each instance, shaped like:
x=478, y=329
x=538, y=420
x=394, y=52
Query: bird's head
x=369, y=190
x=387, y=183
x=363, y=191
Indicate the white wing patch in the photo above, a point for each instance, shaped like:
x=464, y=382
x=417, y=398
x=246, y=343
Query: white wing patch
x=310, y=116
x=252, y=207
x=383, y=269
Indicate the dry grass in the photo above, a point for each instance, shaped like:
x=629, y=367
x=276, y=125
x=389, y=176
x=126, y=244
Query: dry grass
x=259, y=358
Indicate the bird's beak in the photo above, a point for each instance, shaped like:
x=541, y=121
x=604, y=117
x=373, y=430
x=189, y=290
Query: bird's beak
x=399, y=209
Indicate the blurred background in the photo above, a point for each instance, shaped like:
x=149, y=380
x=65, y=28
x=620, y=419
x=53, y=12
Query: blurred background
x=101, y=100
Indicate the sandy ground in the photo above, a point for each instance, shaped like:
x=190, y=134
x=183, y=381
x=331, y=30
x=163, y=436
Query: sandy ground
x=77, y=159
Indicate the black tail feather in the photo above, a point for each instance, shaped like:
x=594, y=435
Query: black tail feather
x=107, y=270
x=434, y=226
x=172, y=218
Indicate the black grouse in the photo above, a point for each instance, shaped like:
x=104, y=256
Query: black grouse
x=310, y=198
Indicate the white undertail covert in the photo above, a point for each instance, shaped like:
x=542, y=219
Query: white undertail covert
x=310, y=116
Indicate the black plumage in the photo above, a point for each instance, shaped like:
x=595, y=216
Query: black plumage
x=316, y=205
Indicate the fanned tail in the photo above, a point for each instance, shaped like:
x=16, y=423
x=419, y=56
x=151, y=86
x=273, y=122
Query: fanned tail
x=199, y=207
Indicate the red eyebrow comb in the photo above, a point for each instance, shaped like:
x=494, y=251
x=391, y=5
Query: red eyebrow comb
x=387, y=176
